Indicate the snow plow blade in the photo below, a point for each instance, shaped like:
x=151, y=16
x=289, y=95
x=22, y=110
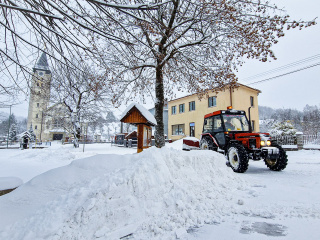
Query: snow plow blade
x=190, y=143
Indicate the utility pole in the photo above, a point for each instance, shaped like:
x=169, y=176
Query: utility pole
x=9, y=127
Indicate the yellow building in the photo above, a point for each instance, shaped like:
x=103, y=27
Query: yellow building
x=186, y=114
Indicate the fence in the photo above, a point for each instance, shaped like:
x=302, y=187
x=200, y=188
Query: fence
x=311, y=139
x=304, y=141
x=285, y=140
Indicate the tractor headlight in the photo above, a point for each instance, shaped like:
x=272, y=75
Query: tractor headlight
x=263, y=143
x=268, y=143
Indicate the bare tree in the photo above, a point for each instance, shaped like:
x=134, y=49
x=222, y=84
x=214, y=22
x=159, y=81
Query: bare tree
x=151, y=48
x=190, y=45
x=83, y=92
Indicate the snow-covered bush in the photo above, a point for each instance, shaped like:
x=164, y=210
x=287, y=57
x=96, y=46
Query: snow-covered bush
x=284, y=128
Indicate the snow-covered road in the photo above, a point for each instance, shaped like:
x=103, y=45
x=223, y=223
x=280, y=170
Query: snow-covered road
x=284, y=204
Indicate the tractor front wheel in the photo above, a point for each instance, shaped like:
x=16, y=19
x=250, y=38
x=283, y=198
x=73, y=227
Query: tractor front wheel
x=277, y=164
x=206, y=144
x=238, y=158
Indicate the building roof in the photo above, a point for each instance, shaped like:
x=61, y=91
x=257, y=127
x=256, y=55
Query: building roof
x=143, y=111
x=42, y=63
x=237, y=85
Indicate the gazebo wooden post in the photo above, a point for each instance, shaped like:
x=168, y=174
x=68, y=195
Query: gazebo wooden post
x=140, y=138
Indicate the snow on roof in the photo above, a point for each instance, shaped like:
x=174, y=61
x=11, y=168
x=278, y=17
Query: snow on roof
x=42, y=62
x=24, y=134
x=150, y=118
x=60, y=130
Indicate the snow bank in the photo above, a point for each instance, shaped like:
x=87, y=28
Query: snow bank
x=157, y=194
x=9, y=183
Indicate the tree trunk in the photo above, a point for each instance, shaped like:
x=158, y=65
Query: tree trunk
x=76, y=128
x=159, y=134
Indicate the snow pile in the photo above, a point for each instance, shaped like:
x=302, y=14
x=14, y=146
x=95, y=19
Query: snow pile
x=9, y=183
x=178, y=144
x=158, y=194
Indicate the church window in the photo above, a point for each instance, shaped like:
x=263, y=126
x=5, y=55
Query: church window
x=37, y=115
x=38, y=104
x=35, y=127
x=57, y=123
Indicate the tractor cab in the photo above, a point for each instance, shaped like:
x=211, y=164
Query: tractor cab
x=219, y=124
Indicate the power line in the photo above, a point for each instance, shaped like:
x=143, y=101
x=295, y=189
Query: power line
x=293, y=64
x=281, y=75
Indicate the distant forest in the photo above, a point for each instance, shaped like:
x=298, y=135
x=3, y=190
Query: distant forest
x=306, y=121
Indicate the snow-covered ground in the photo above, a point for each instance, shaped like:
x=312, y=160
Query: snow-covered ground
x=109, y=192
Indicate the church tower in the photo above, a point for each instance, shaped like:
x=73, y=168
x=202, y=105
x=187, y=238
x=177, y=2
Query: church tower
x=39, y=96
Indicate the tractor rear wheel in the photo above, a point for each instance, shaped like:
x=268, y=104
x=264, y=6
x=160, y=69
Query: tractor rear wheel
x=238, y=158
x=277, y=164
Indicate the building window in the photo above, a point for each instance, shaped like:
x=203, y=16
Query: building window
x=57, y=123
x=178, y=129
x=37, y=115
x=35, y=127
x=251, y=101
x=174, y=110
x=192, y=106
x=192, y=125
x=212, y=101
x=181, y=108
x=38, y=104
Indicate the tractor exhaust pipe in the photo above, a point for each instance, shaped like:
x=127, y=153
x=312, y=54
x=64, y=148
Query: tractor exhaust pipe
x=250, y=126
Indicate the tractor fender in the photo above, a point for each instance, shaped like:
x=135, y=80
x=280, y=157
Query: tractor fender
x=210, y=136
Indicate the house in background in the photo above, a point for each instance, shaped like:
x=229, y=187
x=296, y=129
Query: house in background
x=165, y=117
x=186, y=114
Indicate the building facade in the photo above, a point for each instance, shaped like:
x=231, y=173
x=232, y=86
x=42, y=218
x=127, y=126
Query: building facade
x=49, y=122
x=186, y=114
x=39, y=96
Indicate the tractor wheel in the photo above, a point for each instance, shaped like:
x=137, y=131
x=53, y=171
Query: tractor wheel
x=206, y=144
x=238, y=158
x=277, y=164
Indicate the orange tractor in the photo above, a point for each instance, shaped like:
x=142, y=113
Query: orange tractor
x=229, y=132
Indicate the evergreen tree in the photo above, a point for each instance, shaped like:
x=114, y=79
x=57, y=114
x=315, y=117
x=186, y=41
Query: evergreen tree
x=4, y=125
x=13, y=133
x=31, y=134
x=110, y=117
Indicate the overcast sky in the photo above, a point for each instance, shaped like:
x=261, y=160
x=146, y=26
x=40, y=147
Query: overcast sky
x=293, y=90
x=300, y=88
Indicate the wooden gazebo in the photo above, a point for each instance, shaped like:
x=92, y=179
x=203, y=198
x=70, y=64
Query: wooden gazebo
x=137, y=115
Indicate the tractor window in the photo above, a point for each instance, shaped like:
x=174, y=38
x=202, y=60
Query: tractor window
x=236, y=123
x=207, y=125
x=217, y=124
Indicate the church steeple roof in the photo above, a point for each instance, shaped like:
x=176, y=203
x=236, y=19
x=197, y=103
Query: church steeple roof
x=42, y=64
